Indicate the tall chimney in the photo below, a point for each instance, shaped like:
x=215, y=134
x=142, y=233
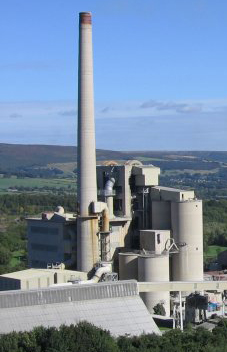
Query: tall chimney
x=87, y=223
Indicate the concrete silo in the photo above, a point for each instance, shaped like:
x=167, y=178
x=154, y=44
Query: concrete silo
x=152, y=267
x=128, y=266
x=187, y=228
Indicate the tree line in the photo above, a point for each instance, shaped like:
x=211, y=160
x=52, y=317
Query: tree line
x=29, y=204
x=85, y=337
x=13, y=211
x=215, y=222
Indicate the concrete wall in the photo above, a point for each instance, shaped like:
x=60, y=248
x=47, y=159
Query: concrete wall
x=171, y=194
x=154, y=240
x=161, y=215
x=38, y=280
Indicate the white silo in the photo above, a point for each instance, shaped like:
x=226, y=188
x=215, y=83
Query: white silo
x=153, y=267
x=128, y=266
x=187, y=228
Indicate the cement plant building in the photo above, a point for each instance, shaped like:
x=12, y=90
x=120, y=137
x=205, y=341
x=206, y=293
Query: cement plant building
x=126, y=221
x=126, y=227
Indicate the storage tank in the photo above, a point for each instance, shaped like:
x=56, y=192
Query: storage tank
x=153, y=267
x=187, y=227
x=128, y=266
x=161, y=215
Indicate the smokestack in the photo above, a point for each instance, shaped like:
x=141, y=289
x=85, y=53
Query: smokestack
x=87, y=223
x=87, y=188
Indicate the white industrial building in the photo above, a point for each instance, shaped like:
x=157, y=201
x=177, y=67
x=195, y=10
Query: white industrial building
x=125, y=220
x=32, y=279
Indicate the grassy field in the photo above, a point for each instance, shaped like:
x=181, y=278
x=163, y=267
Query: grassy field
x=9, y=184
x=213, y=251
x=67, y=168
x=189, y=171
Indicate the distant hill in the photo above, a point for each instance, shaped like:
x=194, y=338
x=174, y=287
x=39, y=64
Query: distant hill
x=17, y=156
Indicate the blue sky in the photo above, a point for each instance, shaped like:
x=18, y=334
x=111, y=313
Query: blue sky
x=160, y=72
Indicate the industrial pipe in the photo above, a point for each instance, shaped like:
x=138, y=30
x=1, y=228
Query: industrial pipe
x=97, y=276
x=105, y=220
x=109, y=195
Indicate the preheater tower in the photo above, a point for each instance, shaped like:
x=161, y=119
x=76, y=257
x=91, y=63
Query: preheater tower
x=87, y=223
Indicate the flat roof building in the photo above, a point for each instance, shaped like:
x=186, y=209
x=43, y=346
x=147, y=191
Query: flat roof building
x=52, y=239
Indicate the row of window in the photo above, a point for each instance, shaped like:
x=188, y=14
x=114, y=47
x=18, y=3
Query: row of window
x=44, y=247
x=44, y=230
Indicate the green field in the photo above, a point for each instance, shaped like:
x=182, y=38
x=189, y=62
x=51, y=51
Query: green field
x=33, y=184
x=213, y=251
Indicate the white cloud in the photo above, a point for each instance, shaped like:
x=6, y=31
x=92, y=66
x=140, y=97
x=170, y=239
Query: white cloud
x=129, y=126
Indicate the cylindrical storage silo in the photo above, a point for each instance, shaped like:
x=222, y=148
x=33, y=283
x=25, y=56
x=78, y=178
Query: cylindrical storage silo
x=161, y=215
x=153, y=267
x=187, y=227
x=128, y=266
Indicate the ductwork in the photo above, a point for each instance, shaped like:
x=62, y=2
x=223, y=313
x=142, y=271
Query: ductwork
x=98, y=274
x=109, y=195
x=106, y=268
x=102, y=207
x=109, y=187
x=105, y=220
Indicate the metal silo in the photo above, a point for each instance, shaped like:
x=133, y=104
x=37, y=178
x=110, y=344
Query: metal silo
x=153, y=267
x=187, y=227
x=128, y=266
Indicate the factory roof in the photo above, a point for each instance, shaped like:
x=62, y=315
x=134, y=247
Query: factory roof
x=25, y=274
x=55, y=217
x=31, y=273
x=115, y=306
x=149, y=166
x=170, y=189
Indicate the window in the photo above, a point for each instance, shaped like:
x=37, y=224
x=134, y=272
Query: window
x=117, y=203
x=67, y=256
x=44, y=230
x=43, y=247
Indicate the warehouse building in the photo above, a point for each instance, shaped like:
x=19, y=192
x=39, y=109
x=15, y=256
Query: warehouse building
x=116, y=307
x=38, y=278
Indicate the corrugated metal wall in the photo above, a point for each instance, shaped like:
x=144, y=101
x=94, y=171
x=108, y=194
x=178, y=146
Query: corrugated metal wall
x=68, y=294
